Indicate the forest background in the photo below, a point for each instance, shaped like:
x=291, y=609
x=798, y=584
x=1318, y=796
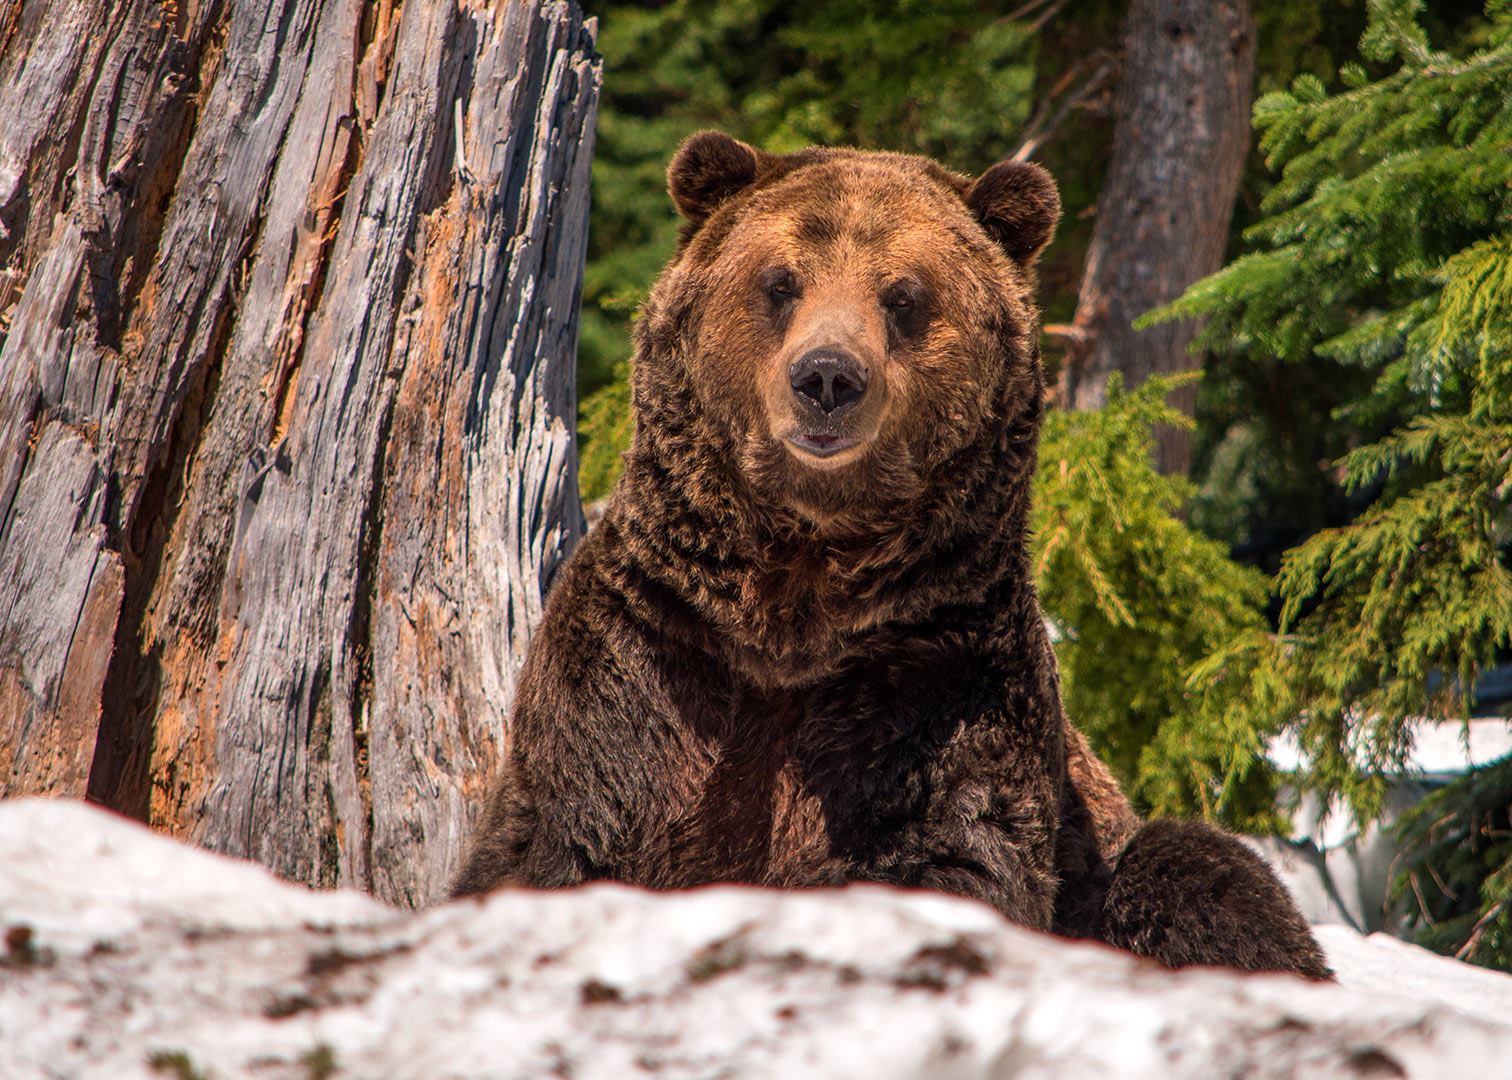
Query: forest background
x=1314, y=536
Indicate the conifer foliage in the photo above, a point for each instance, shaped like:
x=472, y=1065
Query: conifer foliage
x=1388, y=245
x=1139, y=599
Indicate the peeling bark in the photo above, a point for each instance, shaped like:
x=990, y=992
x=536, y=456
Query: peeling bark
x=1179, y=145
x=287, y=334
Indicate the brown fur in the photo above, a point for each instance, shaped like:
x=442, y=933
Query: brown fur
x=770, y=666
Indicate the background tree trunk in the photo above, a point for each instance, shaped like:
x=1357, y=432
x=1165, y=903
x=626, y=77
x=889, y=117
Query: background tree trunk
x=287, y=339
x=1179, y=144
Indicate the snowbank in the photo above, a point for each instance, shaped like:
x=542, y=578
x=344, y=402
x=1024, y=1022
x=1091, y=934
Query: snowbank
x=128, y=955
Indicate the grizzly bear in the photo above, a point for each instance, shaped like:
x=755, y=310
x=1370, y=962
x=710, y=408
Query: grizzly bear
x=803, y=645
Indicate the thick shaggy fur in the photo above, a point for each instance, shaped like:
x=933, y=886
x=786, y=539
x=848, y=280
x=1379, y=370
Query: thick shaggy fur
x=762, y=669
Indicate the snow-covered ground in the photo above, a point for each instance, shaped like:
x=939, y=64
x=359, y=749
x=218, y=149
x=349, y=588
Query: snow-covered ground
x=129, y=955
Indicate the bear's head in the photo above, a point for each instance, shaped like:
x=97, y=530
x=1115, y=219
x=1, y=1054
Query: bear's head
x=839, y=328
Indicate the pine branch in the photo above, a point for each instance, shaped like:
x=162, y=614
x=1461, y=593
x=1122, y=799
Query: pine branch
x=1469, y=948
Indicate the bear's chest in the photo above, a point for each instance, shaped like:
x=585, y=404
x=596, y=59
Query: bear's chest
x=755, y=818
x=791, y=790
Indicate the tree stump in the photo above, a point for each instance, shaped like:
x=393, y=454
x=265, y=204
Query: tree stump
x=288, y=297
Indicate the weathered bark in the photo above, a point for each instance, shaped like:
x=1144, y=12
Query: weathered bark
x=287, y=335
x=1179, y=145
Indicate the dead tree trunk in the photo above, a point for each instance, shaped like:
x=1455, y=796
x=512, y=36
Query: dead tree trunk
x=287, y=336
x=1179, y=145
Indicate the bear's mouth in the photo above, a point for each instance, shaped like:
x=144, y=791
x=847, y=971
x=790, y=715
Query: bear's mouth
x=823, y=445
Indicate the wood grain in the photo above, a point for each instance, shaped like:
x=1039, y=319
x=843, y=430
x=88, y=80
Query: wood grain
x=288, y=300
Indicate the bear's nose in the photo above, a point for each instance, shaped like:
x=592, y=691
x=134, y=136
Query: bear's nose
x=832, y=379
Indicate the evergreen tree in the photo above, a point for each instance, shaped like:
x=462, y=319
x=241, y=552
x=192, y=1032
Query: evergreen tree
x=1139, y=599
x=1387, y=249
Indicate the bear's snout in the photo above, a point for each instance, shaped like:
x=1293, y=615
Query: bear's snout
x=831, y=380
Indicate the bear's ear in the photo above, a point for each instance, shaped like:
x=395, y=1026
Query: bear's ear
x=707, y=169
x=1019, y=206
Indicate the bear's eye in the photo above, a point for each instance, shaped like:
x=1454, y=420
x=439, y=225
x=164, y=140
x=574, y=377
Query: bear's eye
x=908, y=310
x=900, y=298
x=780, y=285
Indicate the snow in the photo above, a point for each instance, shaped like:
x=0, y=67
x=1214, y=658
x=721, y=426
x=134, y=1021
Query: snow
x=1389, y=968
x=1340, y=869
x=1440, y=749
x=123, y=947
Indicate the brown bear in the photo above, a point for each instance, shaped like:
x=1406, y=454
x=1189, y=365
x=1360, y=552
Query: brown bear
x=803, y=646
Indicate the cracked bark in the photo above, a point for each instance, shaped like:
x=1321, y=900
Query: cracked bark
x=1179, y=145
x=286, y=406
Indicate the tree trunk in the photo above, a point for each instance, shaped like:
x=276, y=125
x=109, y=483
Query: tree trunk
x=288, y=295
x=1179, y=144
